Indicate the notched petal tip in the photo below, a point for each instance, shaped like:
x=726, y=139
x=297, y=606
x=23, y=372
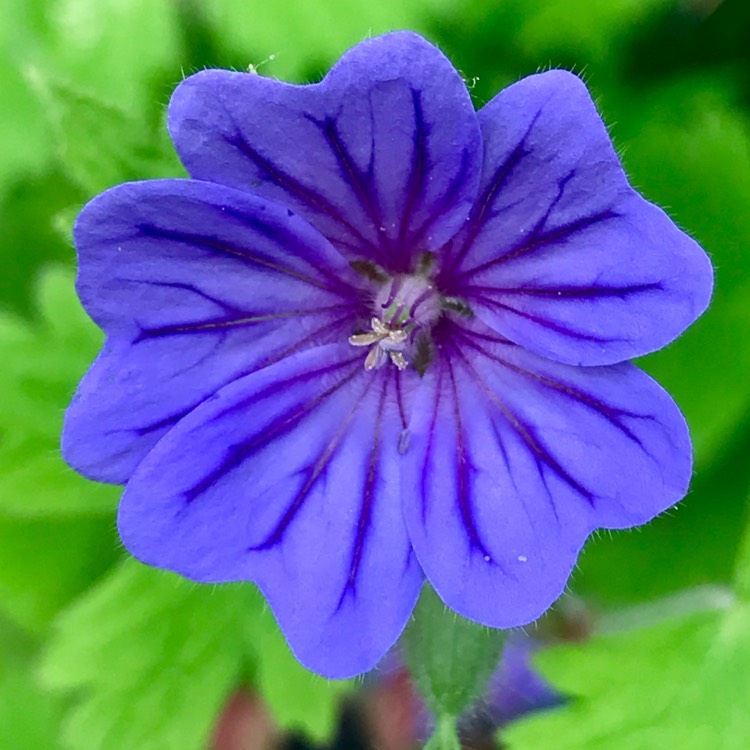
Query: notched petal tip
x=562, y=255
x=402, y=48
x=515, y=460
x=177, y=334
x=382, y=156
x=303, y=500
x=190, y=101
x=560, y=81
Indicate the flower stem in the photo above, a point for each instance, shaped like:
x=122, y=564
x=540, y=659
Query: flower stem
x=444, y=737
x=451, y=659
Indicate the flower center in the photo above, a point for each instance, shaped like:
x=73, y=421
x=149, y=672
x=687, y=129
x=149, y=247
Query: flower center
x=403, y=305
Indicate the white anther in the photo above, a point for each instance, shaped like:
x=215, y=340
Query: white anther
x=364, y=339
x=399, y=360
x=375, y=359
x=384, y=343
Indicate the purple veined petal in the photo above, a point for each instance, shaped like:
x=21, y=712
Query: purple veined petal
x=561, y=255
x=195, y=285
x=289, y=477
x=383, y=156
x=514, y=459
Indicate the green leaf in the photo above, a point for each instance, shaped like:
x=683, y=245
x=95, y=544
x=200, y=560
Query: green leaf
x=151, y=659
x=29, y=718
x=99, y=144
x=114, y=49
x=42, y=366
x=23, y=142
x=28, y=240
x=679, y=683
x=450, y=658
x=44, y=563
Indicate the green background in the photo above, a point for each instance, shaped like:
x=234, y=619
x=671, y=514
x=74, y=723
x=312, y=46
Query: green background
x=97, y=652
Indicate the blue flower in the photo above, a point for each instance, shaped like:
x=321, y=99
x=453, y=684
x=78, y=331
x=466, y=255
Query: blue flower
x=378, y=336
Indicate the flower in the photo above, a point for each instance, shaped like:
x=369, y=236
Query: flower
x=378, y=336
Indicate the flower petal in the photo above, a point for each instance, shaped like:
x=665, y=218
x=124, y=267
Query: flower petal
x=289, y=478
x=561, y=254
x=515, y=459
x=195, y=285
x=383, y=156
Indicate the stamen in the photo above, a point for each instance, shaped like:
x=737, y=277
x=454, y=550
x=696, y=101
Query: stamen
x=375, y=359
x=379, y=327
x=385, y=343
x=399, y=360
x=394, y=341
x=406, y=307
x=364, y=339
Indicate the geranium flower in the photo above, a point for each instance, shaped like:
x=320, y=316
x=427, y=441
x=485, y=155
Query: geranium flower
x=378, y=337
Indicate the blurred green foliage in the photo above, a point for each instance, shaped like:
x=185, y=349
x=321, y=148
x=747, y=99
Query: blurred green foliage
x=84, y=87
x=693, y=696
x=680, y=682
x=153, y=657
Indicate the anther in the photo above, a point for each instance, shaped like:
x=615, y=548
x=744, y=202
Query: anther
x=385, y=343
